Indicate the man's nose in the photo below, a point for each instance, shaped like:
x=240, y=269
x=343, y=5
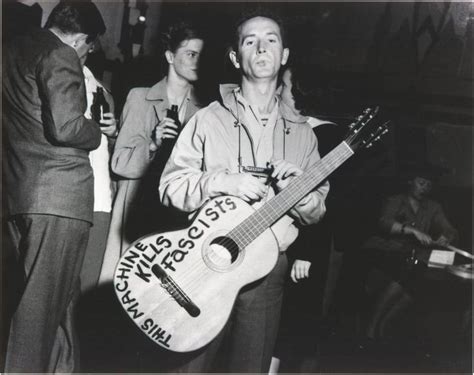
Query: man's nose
x=261, y=47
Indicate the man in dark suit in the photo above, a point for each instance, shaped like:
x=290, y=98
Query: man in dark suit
x=49, y=182
x=18, y=16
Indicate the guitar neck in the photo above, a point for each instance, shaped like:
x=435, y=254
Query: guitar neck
x=281, y=203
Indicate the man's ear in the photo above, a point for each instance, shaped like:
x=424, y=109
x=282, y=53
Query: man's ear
x=233, y=58
x=76, y=40
x=169, y=57
x=286, y=54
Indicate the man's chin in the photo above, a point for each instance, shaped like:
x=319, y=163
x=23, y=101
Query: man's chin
x=265, y=74
x=192, y=78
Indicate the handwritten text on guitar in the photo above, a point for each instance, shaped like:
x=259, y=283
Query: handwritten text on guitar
x=179, y=287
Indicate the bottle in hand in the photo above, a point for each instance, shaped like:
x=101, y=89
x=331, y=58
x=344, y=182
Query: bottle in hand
x=173, y=114
x=99, y=106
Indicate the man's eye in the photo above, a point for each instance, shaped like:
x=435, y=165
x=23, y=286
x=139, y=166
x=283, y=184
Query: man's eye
x=248, y=42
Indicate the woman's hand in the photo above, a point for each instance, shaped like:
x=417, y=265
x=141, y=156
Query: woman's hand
x=442, y=241
x=421, y=237
x=167, y=128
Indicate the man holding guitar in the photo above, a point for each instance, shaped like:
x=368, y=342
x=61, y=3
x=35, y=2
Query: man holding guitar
x=248, y=145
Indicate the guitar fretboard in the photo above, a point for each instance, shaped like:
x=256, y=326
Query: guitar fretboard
x=275, y=208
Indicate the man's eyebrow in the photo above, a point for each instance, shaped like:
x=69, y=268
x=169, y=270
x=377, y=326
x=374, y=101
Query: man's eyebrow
x=268, y=33
x=273, y=33
x=247, y=36
x=191, y=50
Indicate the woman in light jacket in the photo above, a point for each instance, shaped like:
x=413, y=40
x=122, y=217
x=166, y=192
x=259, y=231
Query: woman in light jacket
x=144, y=142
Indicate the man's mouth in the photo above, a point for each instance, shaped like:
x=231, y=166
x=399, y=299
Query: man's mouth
x=261, y=62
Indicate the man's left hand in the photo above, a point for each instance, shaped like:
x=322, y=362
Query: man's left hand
x=300, y=270
x=283, y=171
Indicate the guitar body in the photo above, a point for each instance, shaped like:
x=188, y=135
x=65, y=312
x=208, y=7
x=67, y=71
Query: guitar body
x=179, y=287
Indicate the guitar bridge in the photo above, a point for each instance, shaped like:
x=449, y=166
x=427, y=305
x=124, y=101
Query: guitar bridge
x=175, y=291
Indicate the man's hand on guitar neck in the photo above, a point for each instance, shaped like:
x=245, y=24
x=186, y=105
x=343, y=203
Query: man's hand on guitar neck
x=282, y=170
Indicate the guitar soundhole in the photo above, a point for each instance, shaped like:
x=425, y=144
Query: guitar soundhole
x=221, y=253
x=226, y=248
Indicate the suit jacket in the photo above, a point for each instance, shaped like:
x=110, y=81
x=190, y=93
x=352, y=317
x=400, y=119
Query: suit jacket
x=47, y=137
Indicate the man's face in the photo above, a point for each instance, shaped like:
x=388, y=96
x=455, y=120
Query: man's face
x=260, y=50
x=185, y=61
x=82, y=47
x=84, y=50
x=420, y=187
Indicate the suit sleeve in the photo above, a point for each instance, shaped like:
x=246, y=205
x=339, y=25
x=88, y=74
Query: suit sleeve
x=61, y=84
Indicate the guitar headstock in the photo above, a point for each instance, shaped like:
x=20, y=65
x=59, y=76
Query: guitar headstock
x=364, y=131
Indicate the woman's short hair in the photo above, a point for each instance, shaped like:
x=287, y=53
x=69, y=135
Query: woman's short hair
x=178, y=32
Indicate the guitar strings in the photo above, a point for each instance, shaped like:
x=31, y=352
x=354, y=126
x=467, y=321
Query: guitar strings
x=250, y=227
x=246, y=229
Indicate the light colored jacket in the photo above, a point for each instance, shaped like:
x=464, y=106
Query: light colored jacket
x=132, y=162
x=208, y=148
x=144, y=109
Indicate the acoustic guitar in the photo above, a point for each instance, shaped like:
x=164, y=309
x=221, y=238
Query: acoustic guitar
x=179, y=287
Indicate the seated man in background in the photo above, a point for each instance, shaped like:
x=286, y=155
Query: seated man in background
x=408, y=222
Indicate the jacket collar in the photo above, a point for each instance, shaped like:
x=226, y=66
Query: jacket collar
x=158, y=93
x=231, y=98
